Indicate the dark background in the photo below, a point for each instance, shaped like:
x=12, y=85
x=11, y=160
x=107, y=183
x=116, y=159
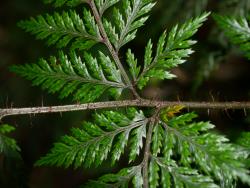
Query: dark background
x=217, y=71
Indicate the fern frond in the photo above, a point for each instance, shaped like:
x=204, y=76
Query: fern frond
x=61, y=29
x=237, y=30
x=171, y=51
x=92, y=143
x=86, y=80
x=103, y=5
x=177, y=176
x=120, y=180
x=132, y=16
x=191, y=143
x=59, y=3
x=7, y=145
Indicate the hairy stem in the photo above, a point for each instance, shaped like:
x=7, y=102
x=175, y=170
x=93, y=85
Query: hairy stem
x=111, y=48
x=146, y=156
x=124, y=103
x=147, y=149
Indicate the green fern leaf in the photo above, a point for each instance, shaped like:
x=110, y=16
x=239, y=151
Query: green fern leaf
x=148, y=53
x=153, y=174
x=211, y=152
x=166, y=179
x=6, y=129
x=183, y=177
x=103, y=5
x=238, y=31
x=61, y=29
x=111, y=31
x=87, y=80
x=92, y=143
x=244, y=140
x=110, y=68
x=171, y=51
x=132, y=16
x=137, y=142
x=157, y=139
x=138, y=179
x=183, y=119
x=7, y=145
x=119, y=180
x=59, y=3
x=132, y=62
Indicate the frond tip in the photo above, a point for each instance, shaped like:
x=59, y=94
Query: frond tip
x=86, y=80
x=127, y=20
x=171, y=51
x=103, y=5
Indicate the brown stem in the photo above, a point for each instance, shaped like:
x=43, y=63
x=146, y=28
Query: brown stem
x=147, y=149
x=125, y=103
x=107, y=42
